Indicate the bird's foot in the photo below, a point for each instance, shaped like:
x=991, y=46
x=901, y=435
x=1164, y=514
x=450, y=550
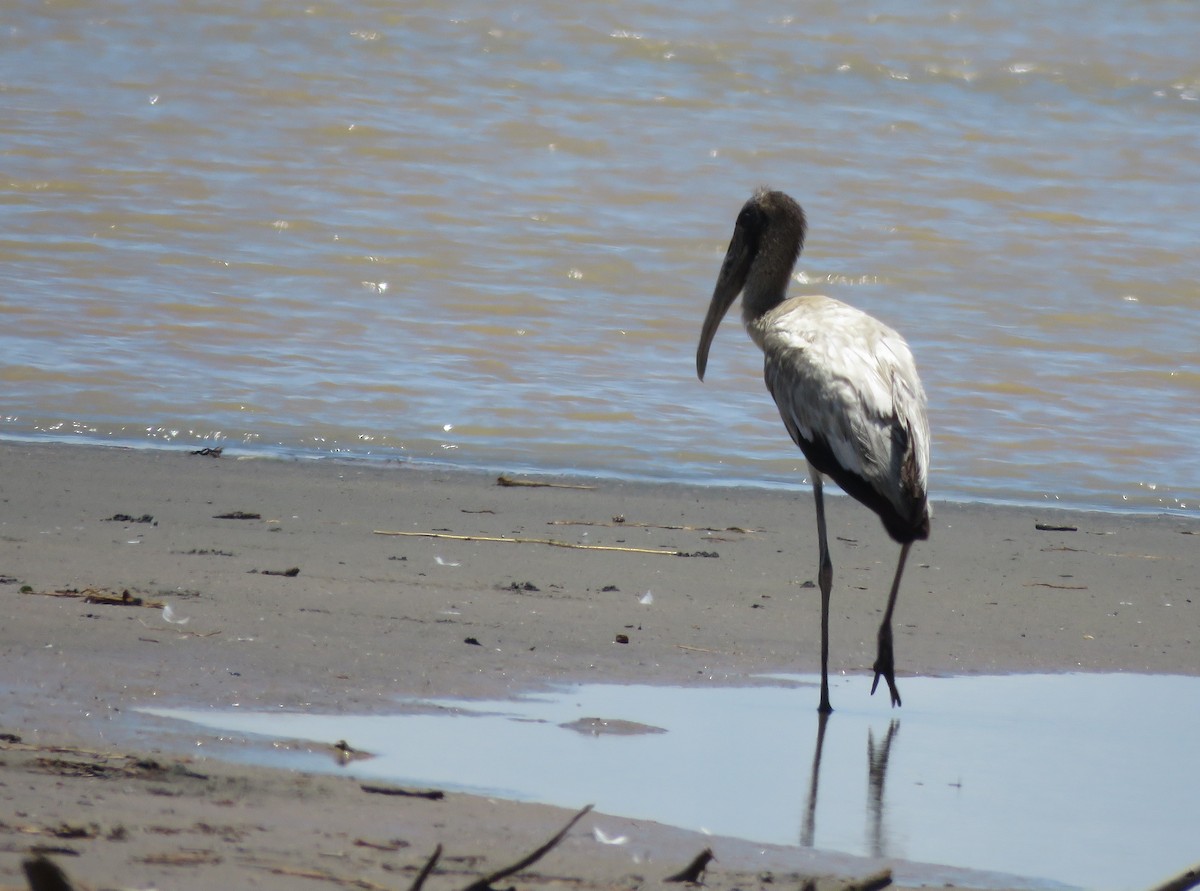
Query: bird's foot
x=885, y=664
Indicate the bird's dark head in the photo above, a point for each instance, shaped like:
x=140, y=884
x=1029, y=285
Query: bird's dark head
x=767, y=239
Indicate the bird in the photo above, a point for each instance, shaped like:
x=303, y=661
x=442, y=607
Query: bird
x=846, y=387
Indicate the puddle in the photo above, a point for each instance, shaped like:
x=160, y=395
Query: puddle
x=1087, y=780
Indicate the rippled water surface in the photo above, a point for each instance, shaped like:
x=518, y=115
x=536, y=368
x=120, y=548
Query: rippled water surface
x=486, y=234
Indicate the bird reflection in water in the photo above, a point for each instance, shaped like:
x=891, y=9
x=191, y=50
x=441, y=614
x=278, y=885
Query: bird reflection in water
x=877, y=765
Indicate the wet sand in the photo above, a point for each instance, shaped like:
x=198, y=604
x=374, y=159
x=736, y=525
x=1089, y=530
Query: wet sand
x=300, y=604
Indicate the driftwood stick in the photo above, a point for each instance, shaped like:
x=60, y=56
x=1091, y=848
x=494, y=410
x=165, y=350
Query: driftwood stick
x=873, y=882
x=618, y=523
x=426, y=869
x=1186, y=880
x=485, y=883
x=535, y=484
x=694, y=870
x=102, y=596
x=431, y=794
x=542, y=541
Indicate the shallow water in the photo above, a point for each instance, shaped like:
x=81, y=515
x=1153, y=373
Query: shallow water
x=486, y=236
x=1085, y=779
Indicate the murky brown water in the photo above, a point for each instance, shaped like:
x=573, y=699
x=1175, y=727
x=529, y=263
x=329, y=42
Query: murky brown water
x=487, y=236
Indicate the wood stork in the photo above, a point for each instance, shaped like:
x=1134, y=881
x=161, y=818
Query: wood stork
x=846, y=387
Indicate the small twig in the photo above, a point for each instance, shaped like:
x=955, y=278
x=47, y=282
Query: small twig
x=542, y=541
x=106, y=598
x=1186, y=880
x=535, y=484
x=390, y=846
x=485, y=883
x=426, y=870
x=203, y=857
x=1056, y=587
x=873, y=882
x=431, y=794
x=694, y=870
x=122, y=599
x=1054, y=527
x=617, y=523
x=126, y=518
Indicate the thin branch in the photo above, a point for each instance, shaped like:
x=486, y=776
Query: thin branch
x=102, y=596
x=873, y=882
x=426, y=870
x=1186, y=880
x=542, y=541
x=485, y=883
x=535, y=484
x=618, y=523
x=694, y=870
x=431, y=794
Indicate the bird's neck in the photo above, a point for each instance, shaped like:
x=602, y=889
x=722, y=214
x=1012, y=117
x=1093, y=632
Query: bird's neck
x=765, y=289
x=767, y=282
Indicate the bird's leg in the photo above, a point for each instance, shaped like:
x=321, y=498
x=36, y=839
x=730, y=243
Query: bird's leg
x=825, y=580
x=885, y=664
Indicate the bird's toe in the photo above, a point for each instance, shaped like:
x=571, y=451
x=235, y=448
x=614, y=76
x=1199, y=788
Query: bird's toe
x=888, y=676
x=884, y=668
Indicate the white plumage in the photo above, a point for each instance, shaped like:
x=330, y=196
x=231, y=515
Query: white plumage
x=846, y=387
x=842, y=377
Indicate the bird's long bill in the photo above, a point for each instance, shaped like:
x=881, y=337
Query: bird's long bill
x=730, y=281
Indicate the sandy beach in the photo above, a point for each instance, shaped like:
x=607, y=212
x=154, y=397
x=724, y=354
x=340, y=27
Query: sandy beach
x=295, y=601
